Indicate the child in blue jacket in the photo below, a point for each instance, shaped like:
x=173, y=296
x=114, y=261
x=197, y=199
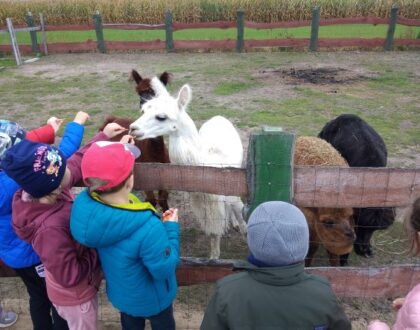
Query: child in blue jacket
x=138, y=252
x=16, y=253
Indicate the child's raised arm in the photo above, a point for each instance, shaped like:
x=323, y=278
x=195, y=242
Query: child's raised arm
x=73, y=134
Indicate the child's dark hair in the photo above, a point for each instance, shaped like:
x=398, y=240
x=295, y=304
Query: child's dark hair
x=95, y=183
x=412, y=226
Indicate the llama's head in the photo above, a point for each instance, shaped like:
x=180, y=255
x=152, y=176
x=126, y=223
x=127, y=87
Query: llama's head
x=333, y=227
x=144, y=87
x=162, y=114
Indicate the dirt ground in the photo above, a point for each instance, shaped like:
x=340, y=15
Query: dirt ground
x=298, y=91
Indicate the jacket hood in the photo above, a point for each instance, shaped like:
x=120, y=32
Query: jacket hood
x=96, y=224
x=28, y=216
x=279, y=276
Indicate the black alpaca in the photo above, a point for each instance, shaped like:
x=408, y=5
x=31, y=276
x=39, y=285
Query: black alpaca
x=361, y=146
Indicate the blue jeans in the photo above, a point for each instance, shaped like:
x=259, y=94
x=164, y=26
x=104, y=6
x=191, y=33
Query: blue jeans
x=162, y=321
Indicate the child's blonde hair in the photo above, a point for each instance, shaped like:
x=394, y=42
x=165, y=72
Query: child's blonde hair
x=412, y=226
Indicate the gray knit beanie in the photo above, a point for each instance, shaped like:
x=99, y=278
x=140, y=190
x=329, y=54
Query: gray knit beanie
x=278, y=234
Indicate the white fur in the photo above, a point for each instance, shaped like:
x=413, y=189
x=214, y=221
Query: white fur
x=216, y=144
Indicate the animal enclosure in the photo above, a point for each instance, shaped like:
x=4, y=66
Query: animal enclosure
x=274, y=98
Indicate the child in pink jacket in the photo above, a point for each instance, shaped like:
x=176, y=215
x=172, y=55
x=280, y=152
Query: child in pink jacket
x=41, y=216
x=408, y=308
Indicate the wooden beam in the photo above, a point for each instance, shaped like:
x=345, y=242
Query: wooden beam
x=355, y=187
x=313, y=186
x=223, y=181
x=369, y=282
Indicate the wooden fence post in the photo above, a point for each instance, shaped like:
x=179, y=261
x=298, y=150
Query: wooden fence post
x=99, y=32
x=34, y=41
x=169, y=31
x=269, y=167
x=240, y=24
x=389, y=41
x=15, y=46
x=313, y=46
x=43, y=34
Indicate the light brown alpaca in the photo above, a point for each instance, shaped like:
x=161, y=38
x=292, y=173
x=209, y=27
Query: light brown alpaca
x=331, y=227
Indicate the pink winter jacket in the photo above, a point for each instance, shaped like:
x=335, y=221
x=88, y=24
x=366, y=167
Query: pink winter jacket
x=73, y=272
x=408, y=317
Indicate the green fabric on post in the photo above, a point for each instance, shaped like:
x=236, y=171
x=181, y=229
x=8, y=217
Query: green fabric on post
x=270, y=167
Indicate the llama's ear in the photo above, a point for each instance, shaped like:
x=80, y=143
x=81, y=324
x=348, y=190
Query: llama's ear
x=136, y=76
x=158, y=87
x=184, y=96
x=165, y=78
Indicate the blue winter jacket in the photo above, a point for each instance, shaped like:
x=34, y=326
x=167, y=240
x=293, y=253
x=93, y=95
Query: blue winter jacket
x=138, y=252
x=14, y=252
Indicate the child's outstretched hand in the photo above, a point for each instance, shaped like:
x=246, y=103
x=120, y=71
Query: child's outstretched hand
x=127, y=139
x=81, y=118
x=113, y=129
x=170, y=215
x=397, y=304
x=55, y=123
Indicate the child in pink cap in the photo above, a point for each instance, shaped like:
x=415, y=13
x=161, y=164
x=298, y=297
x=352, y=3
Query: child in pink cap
x=139, y=252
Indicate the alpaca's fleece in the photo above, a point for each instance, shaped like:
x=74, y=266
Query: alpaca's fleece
x=333, y=227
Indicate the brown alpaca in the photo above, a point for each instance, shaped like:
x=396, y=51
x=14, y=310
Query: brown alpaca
x=332, y=227
x=152, y=150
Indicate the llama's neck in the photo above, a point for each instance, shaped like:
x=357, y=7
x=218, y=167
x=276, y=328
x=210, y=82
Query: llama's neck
x=185, y=145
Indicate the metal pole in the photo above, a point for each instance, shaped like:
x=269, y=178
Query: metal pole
x=15, y=45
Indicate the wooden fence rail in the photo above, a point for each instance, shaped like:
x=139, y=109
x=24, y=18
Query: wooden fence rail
x=355, y=282
x=240, y=44
x=313, y=185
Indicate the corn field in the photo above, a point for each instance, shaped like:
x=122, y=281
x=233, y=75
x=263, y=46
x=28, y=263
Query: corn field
x=187, y=11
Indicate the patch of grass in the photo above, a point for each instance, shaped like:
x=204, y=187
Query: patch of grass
x=232, y=87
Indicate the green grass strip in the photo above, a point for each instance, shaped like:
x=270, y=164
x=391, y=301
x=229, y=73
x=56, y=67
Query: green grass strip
x=331, y=31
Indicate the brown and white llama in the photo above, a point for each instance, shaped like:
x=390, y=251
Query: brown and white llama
x=217, y=143
x=152, y=150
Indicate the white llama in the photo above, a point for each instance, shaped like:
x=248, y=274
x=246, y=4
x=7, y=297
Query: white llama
x=216, y=144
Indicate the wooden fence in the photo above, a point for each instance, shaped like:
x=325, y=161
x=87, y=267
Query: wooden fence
x=271, y=176
x=240, y=44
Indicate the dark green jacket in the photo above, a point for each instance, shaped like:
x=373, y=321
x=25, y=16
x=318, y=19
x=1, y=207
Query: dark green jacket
x=274, y=298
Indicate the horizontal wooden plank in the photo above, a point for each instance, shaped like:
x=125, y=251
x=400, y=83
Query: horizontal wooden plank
x=313, y=186
x=215, y=180
x=133, y=26
x=69, y=27
x=369, y=282
x=135, y=45
x=353, y=20
x=276, y=25
x=408, y=21
x=203, y=25
x=291, y=42
x=355, y=187
x=204, y=44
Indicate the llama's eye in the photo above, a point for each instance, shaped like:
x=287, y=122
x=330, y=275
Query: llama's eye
x=328, y=224
x=161, y=117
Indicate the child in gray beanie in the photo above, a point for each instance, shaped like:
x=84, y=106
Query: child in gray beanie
x=273, y=291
